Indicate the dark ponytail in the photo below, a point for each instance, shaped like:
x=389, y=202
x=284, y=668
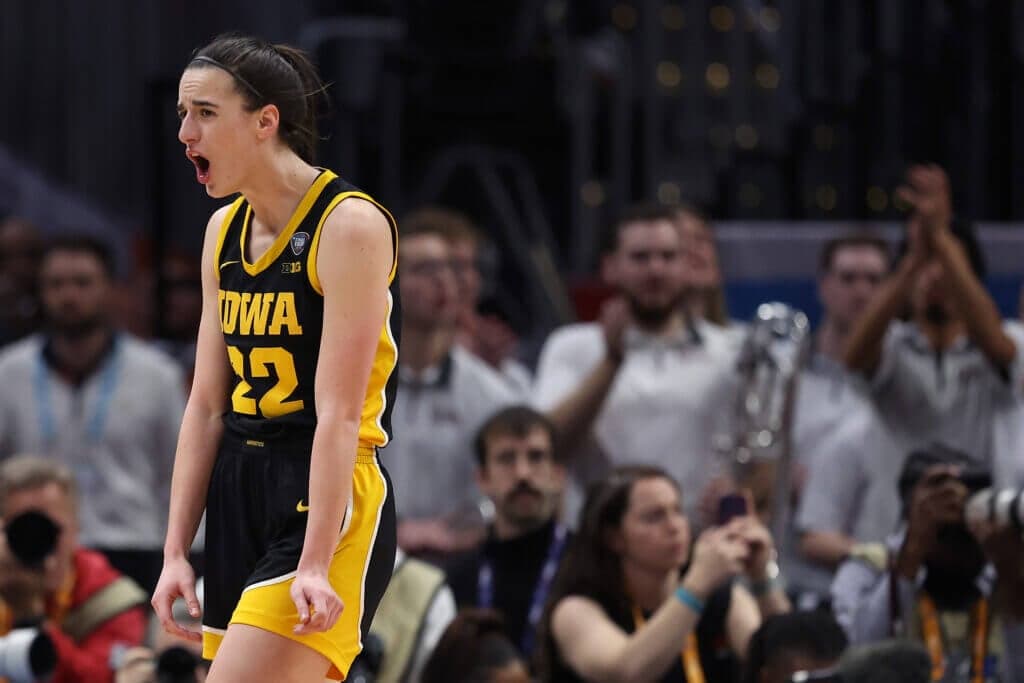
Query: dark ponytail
x=271, y=74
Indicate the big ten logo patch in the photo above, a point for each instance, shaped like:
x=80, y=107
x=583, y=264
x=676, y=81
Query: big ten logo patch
x=291, y=267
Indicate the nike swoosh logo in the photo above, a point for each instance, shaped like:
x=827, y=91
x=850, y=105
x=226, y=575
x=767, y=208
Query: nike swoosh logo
x=299, y=507
x=227, y=263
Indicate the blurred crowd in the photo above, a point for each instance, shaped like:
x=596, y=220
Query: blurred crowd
x=593, y=514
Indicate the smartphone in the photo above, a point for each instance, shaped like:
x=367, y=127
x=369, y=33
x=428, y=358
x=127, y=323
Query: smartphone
x=730, y=506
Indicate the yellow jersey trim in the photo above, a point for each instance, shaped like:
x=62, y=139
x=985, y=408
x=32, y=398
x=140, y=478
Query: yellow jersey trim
x=314, y=247
x=279, y=244
x=222, y=235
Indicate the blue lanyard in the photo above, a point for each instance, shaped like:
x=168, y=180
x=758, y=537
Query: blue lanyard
x=108, y=383
x=485, y=586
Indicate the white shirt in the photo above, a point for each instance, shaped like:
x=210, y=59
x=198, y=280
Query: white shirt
x=117, y=431
x=1008, y=427
x=668, y=400
x=435, y=421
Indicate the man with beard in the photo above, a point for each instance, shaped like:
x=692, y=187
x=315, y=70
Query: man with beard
x=958, y=590
x=641, y=385
x=98, y=400
x=943, y=375
x=512, y=571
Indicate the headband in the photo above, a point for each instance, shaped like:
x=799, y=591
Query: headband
x=234, y=74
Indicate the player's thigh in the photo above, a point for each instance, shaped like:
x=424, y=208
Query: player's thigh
x=253, y=655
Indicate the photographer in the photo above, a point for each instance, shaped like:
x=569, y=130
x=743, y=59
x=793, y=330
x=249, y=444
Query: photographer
x=954, y=588
x=74, y=594
x=635, y=601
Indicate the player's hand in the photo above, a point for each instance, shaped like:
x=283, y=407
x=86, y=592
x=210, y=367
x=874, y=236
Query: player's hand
x=318, y=605
x=177, y=580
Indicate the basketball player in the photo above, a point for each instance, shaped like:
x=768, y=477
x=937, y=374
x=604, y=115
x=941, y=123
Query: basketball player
x=293, y=385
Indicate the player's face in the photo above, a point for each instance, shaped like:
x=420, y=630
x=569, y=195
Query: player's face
x=649, y=269
x=75, y=291
x=851, y=282
x=429, y=287
x=218, y=132
x=521, y=477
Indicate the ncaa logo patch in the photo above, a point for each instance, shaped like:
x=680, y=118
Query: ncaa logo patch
x=299, y=241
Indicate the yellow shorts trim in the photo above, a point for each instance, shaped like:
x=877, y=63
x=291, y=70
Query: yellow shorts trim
x=269, y=605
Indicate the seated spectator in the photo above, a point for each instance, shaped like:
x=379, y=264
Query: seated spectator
x=410, y=620
x=942, y=376
x=642, y=384
x=474, y=649
x=512, y=571
x=83, y=604
x=787, y=645
x=444, y=395
x=957, y=590
x=629, y=597
x=20, y=249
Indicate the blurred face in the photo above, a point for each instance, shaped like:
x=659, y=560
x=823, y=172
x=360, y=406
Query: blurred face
x=851, y=281
x=52, y=501
x=647, y=268
x=931, y=298
x=467, y=271
x=429, y=287
x=219, y=134
x=75, y=291
x=700, y=258
x=655, y=534
x=521, y=478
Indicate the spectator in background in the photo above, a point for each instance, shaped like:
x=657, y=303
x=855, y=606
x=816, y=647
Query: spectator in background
x=84, y=605
x=485, y=334
x=20, y=248
x=629, y=592
x=100, y=401
x=444, y=395
x=787, y=644
x=704, y=299
x=941, y=376
x=832, y=422
x=475, y=649
x=888, y=661
x=512, y=571
x=938, y=581
x=641, y=384
x=183, y=307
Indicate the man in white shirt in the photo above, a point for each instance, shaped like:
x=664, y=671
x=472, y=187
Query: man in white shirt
x=641, y=385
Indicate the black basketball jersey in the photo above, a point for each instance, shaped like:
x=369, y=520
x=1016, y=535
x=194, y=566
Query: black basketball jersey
x=271, y=314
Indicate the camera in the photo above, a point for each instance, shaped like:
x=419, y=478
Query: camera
x=26, y=655
x=177, y=664
x=32, y=537
x=1003, y=508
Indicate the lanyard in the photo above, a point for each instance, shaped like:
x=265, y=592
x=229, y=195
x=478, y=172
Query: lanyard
x=932, y=633
x=690, y=655
x=44, y=407
x=485, y=586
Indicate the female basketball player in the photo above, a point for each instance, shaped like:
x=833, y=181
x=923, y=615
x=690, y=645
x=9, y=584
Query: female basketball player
x=293, y=383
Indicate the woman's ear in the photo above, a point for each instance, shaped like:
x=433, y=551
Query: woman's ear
x=268, y=122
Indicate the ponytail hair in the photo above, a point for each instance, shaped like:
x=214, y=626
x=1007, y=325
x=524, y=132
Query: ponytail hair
x=281, y=75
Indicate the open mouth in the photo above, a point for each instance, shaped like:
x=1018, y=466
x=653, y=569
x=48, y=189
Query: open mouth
x=202, y=165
